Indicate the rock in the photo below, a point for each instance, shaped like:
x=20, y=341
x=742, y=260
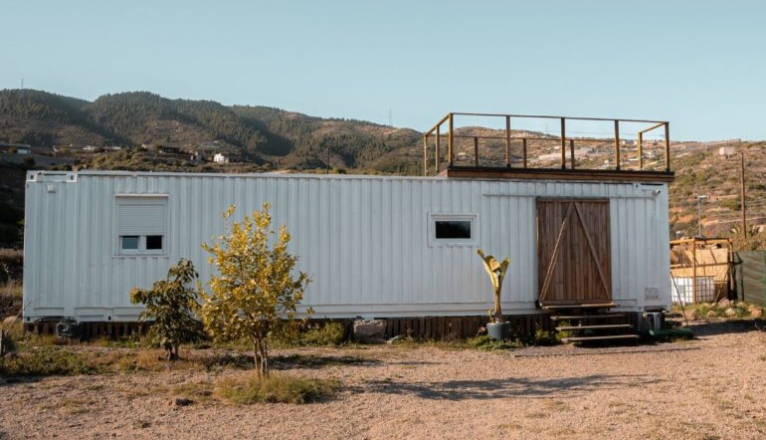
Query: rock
x=755, y=311
x=692, y=315
x=730, y=312
x=724, y=303
x=711, y=314
x=180, y=401
x=369, y=331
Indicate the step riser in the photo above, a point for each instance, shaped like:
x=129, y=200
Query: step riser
x=600, y=327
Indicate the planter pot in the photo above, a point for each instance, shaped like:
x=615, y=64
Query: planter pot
x=499, y=331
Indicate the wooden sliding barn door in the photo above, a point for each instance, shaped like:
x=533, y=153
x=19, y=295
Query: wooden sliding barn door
x=573, y=252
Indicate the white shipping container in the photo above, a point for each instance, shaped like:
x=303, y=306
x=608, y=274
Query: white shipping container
x=369, y=243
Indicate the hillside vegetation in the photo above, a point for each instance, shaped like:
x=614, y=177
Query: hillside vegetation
x=262, y=138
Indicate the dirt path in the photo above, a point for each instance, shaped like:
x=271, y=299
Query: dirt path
x=710, y=388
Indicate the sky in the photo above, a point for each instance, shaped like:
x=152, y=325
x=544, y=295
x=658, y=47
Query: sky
x=699, y=64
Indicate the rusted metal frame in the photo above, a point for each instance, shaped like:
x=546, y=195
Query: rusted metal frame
x=449, y=141
x=438, y=149
x=571, y=153
x=508, y=141
x=563, y=144
x=524, y=150
x=476, y=151
x=556, y=252
x=617, y=143
x=592, y=249
x=573, y=118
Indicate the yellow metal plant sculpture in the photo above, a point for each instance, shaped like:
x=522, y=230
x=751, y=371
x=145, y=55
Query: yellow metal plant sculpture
x=496, y=273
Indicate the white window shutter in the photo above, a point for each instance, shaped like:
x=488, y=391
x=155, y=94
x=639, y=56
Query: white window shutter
x=141, y=217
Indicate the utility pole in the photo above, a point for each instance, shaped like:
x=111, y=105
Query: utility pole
x=742, y=180
x=699, y=215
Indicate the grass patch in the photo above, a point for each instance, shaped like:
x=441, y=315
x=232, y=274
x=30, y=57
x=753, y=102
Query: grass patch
x=484, y=342
x=219, y=361
x=53, y=361
x=197, y=392
x=276, y=389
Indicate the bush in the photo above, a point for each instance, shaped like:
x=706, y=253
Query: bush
x=331, y=333
x=484, y=342
x=276, y=389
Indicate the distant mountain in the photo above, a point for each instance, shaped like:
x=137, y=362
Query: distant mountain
x=259, y=135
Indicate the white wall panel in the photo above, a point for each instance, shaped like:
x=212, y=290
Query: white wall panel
x=362, y=239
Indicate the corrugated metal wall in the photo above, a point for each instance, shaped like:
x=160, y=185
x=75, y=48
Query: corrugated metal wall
x=362, y=239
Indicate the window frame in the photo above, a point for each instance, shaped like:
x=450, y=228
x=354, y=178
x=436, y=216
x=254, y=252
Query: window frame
x=434, y=217
x=142, y=251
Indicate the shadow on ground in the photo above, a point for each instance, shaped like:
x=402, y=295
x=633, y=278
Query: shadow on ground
x=505, y=388
x=713, y=328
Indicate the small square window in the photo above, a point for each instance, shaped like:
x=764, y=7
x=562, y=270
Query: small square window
x=129, y=242
x=154, y=242
x=453, y=229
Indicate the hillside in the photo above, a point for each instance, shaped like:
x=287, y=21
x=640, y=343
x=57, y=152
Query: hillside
x=259, y=135
x=261, y=138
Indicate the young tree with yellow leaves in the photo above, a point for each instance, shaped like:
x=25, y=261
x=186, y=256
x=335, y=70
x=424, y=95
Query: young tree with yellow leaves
x=255, y=292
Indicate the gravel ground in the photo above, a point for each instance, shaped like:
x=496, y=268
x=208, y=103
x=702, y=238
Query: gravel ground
x=709, y=388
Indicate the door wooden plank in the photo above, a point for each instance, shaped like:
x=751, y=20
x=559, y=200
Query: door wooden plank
x=555, y=253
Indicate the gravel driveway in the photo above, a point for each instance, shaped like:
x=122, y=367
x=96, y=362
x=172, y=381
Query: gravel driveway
x=711, y=388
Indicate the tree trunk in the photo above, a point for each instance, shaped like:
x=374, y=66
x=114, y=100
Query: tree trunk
x=2, y=343
x=261, y=357
x=171, y=352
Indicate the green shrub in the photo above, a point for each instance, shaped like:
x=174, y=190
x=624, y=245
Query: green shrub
x=331, y=333
x=544, y=337
x=276, y=389
x=484, y=342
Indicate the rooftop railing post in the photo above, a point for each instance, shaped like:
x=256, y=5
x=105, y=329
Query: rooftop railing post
x=438, y=149
x=640, y=151
x=667, y=147
x=425, y=156
x=508, y=141
x=563, y=144
x=450, y=150
x=617, y=144
x=476, y=151
x=571, y=153
x=524, y=151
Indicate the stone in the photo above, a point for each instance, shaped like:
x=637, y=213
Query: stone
x=724, y=303
x=371, y=331
x=180, y=401
x=692, y=315
x=730, y=312
x=755, y=311
x=711, y=314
